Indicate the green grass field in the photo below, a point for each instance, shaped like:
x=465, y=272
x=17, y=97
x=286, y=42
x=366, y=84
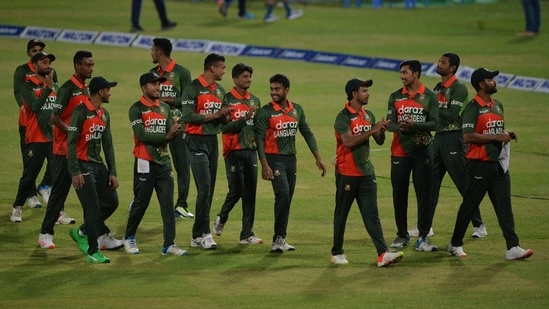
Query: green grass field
x=236, y=276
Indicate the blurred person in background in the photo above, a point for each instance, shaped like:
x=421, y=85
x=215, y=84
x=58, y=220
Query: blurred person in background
x=160, y=7
x=242, y=12
x=532, y=14
x=291, y=14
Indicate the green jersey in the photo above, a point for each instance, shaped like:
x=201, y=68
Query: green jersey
x=353, y=161
x=71, y=94
x=424, y=111
x=483, y=118
x=150, y=123
x=90, y=130
x=276, y=129
x=451, y=97
x=239, y=133
x=200, y=99
x=178, y=77
x=21, y=75
x=38, y=102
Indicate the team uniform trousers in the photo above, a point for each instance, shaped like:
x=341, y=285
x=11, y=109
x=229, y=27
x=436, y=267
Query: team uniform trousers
x=449, y=151
x=241, y=170
x=160, y=179
x=284, y=169
x=35, y=154
x=482, y=177
x=47, y=179
x=419, y=165
x=99, y=201
x=178, y=149
x=363, y=189
x=59, y=191
x=202, y=155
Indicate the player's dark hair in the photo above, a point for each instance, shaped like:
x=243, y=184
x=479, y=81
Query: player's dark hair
x=281, y=79
x=164, y=45
x=453, y=59
x=80, y=55
x=414, y=65
x=212, y=59
x=240, y=68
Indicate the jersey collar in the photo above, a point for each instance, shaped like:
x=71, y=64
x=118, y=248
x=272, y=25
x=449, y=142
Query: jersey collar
x=146, y=102
x=352, y=110
x=449, y=82
x=77, y=83
x=168, y=69
x=238, y=96
x=91, y=108
x=205, y=84
x=421, y=90
x=481, y=102
x=277, y=107
x=31, y=66
x=34, y=79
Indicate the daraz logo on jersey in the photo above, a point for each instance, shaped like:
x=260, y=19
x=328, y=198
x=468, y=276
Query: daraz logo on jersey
x=209, y=107
x=167, y=90
x=155, y=124
x=285, y=128
x=50, y=103
x=93, y=131
x=489, y=125
x=409, y=109
x=359, y=128
x=442, y=101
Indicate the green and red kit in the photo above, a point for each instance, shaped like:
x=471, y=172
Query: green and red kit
x=89, y=131
x=483, y=118
x=424, y=111
x=22, y=74
x=150, y=123
x=38, y=101
x=276, y=129
x=239, y=133
x=353, y=161
x=71, y=94
x=449, y=116
x=177, y=77
x=200, y=99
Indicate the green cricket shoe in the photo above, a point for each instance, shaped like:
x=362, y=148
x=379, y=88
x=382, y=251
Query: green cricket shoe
x=81, y=241
x=98, y=258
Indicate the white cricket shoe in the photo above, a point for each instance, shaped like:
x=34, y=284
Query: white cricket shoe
x=45, y=241
x=33, y=202
x=456, y=251
x=517, y=253
x=16, y=214
x=339, y=259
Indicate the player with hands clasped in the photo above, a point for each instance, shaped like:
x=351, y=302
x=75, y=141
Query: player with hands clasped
x=153, y=126
x=414, y=112
x=355, y=175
